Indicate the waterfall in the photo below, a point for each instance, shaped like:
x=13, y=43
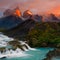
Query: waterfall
x=23, y=43
x=25, y=48
x=13, y=53
x=29, y=47
x=4, y=39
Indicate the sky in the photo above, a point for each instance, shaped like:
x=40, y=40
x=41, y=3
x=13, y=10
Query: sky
x=36, y=6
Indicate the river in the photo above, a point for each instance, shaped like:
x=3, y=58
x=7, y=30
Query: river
x=30, y=54
x=38, y=54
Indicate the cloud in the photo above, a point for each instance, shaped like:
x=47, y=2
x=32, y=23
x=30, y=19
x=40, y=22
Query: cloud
x=34, y=5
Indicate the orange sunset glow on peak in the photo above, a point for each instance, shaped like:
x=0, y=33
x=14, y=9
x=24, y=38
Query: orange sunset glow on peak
x=17, y=12
x=35, y=6
x=29, y=12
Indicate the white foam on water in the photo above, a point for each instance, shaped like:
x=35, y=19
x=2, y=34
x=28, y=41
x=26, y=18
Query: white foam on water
x=29, y=47
x=16, y=53
x=4, y=40
x=13, y=53
x=23, y=43
x=25, y=48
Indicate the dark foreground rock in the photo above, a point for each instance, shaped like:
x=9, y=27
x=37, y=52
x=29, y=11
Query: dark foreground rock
x=51, y=54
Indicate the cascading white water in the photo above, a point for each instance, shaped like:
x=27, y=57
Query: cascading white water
x=12, y=53
x=17, y=53
x=29, y=47
x=23, y=43
x=4, y=39
x=25, y=48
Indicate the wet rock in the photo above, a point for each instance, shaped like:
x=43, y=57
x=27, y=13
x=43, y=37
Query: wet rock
x=54, y=53
x=44, y=44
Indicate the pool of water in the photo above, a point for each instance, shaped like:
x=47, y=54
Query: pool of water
x=38, y=54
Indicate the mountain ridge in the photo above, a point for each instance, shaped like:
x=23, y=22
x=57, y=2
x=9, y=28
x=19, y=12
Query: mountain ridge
x=10, y=22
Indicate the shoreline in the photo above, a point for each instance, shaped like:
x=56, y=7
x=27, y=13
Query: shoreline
x=51, y=54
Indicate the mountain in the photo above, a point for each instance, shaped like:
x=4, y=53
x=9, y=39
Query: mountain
x=51, y=18
x=12, y=21
x=27, y=14
x=14, y=12
x=36, y=33
x=25, y=27
x=21, y=30
x=37, y=18
x=9, y=22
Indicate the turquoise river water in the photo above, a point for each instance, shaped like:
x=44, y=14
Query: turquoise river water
x=38, y=54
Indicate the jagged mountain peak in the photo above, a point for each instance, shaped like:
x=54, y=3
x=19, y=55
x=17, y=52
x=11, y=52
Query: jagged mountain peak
x=17, y=12
x=14, y=12
x=51, y=18
x=27, y=13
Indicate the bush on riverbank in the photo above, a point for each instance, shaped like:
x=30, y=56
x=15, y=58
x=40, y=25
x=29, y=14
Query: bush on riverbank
x=44, y=34
x=39, y=34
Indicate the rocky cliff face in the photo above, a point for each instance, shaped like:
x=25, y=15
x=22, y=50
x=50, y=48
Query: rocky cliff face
x=55, y=53
x=9, y=22
x=51, y=18
x=21, y=30
x=13, y=12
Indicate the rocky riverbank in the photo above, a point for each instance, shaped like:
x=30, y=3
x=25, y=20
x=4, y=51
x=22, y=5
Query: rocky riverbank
x=54, y=53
